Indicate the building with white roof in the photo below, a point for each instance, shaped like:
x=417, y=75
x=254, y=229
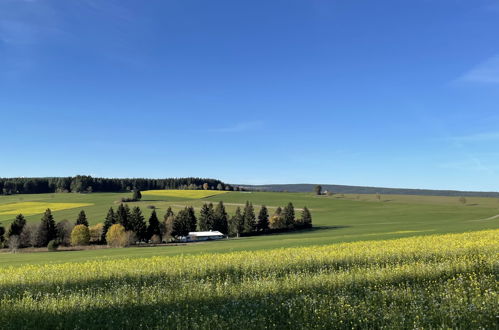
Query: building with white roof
x=204, y=235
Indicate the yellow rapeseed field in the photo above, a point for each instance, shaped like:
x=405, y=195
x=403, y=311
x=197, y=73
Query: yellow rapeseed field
x=194, y=194
x=435, y=281
x=30, y=208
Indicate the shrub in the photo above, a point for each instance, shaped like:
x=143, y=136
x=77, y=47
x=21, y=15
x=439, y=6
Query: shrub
x=116, y=236
x=53, y=245
x=80, y=235
x=152, y=207
x=277, y=222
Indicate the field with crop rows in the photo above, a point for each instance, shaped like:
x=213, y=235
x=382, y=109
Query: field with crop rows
x=419, y=282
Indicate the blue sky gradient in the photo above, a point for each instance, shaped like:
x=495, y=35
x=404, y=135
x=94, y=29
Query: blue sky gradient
x=380, y=93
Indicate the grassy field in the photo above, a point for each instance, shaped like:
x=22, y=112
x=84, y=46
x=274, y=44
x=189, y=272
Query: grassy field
x=183, y=193
x=336, y=219
x=435, y=281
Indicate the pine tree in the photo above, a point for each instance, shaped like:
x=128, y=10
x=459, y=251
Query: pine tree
x=192, y=221
x=306, y=218
x=318, y=190
x=137, y=224
x=110, y=220
x=82, y=219
x=249, y=218
x=153, y=228
x=278, y=211
x=237, y=223
x=169, y=213
x=206, y=217
x=123, y=216
x=46, y=230
x=220, y=222
x=2, y=237
x=289, y=215
x=17, y=226
x=181, y=225
x=263, y=219
x=137, y=195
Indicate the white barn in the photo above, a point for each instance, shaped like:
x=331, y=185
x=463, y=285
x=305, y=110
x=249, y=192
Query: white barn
x=195, y=236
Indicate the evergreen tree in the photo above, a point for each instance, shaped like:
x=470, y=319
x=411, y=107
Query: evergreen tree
x=263, y=219
x=278, y=211
x=2, y=237
x=137, y=224
x=206, y=217
x=220, y=222
x=289, y=215
x=237, y=223
x=169, y=213
x=46, y=230
x=306, y=218
x=17, y=226
x=249, y=218
x=153, y=228
x=192, y=221
x=82, y=219
x=181, y=225
x=110, y=220
x=318, y=190
x=137, y=195
x=123, y=216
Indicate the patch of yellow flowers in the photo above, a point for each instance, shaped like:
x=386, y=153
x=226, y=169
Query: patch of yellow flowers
x=418, y=282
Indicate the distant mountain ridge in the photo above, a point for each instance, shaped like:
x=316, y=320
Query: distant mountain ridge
x=342, y=189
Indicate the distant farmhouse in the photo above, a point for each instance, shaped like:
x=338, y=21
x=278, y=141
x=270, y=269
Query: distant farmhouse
x=197, y=236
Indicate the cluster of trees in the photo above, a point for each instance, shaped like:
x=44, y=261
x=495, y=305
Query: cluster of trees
x=83, y=183
x=125, y=226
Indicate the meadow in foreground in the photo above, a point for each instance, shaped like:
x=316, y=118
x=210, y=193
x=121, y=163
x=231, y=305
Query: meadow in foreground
x=428, y=281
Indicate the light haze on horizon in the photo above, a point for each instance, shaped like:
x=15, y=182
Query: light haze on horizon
x=398, y=94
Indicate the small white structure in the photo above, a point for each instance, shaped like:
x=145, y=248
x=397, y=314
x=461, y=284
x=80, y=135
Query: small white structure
x=196, y=236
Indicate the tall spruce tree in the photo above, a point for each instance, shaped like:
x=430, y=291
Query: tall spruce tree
x=137, y=224
x=220, y=221
x=263, y=219
x=192, y=221
x=278, y=211
x=17, y=226
x=154, y=226
x=236, y=226
x=249, y=218
x=82, y=219
x=46, y=230
x=137, y=195
x=306, y=218
x=108, y=222
x=123, y=216
x=289, y=215
x=206, y=217
x=181, y=223
x=2, y=236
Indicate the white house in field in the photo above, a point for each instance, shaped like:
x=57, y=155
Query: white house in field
x=196, y=236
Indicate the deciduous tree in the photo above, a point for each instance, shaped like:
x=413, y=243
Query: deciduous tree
x=80, y=235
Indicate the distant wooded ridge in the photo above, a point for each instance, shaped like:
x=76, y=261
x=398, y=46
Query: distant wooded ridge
x=85, y=183
x=342, y=189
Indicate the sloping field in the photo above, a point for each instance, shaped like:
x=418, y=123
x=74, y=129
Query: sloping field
x=194, y=194
x=30, y=208
x=437, y=281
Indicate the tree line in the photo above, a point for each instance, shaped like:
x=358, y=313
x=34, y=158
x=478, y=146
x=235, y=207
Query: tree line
x=126, y=226
x=84, y=183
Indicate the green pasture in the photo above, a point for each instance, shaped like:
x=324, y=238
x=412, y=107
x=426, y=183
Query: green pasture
x=337, y=218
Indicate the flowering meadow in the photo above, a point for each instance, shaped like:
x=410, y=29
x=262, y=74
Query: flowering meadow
x=437, y=281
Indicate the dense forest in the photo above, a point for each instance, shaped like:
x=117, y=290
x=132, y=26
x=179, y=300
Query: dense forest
x=84, y=183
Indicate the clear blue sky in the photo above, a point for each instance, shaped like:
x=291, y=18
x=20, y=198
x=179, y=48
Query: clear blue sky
x=386, y=93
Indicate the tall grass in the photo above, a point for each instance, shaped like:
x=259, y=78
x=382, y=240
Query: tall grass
x=420, y=282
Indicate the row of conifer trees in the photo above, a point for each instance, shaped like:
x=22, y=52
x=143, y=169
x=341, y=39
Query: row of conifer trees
x=172, y=226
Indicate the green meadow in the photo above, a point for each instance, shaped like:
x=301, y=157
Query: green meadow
x=337, y=218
